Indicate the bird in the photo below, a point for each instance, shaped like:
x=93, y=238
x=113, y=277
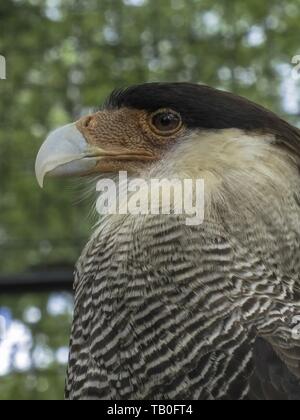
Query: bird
x=165, y=310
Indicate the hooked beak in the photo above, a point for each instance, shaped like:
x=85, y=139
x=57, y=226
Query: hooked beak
x=64, y=153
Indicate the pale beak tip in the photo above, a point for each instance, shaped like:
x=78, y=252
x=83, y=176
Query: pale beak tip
x=39, y=173
x=40, y=182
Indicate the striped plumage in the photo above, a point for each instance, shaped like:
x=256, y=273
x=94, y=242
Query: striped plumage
x=169, y=311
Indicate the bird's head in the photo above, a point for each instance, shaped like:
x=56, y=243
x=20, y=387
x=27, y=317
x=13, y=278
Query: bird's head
x=193, y=129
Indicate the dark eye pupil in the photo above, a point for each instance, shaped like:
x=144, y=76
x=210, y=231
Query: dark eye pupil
x=166, y=121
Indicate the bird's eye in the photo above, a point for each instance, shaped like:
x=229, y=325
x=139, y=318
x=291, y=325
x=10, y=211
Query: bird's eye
x=166, y=121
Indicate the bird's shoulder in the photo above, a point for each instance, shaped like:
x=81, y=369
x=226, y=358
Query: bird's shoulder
x=174, y=261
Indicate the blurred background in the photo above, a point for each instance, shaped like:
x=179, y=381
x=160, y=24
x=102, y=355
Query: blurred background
x=63, y=58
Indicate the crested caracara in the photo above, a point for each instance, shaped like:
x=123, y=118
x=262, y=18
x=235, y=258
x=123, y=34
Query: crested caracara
x=164, y=310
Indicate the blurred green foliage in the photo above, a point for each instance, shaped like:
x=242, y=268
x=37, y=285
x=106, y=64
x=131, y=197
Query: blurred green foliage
x=63, y=58
x=34, y=350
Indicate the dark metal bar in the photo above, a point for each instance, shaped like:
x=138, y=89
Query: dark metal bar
x=37, y=282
